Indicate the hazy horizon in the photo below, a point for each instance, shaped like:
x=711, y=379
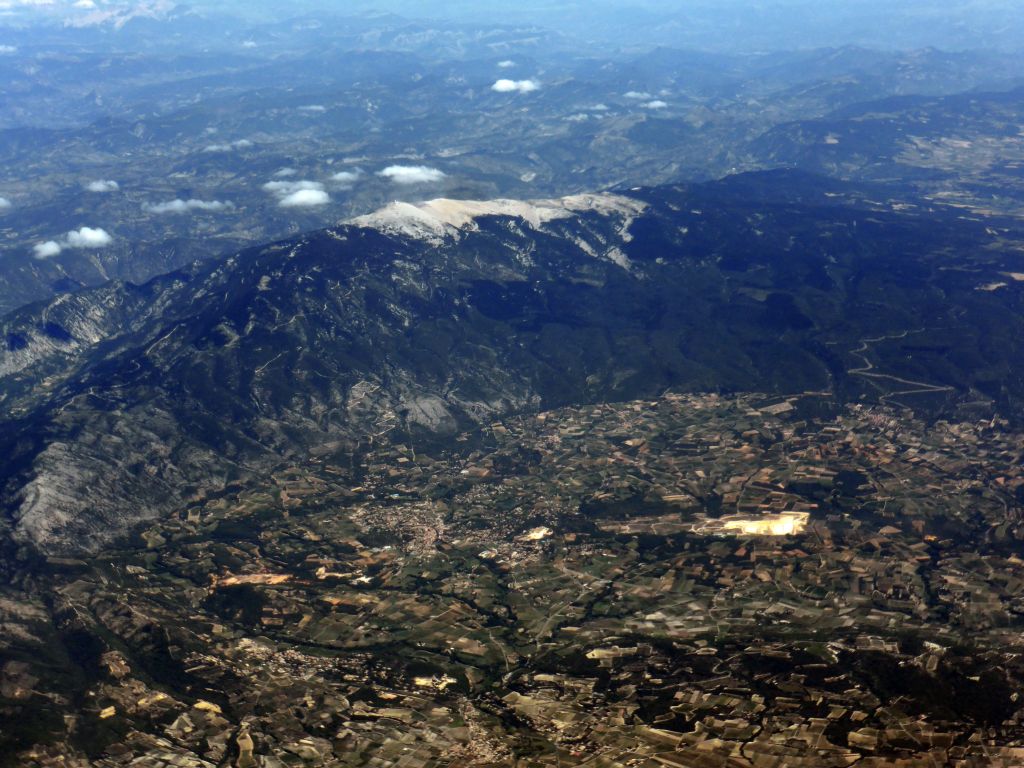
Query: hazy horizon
x=737, y=26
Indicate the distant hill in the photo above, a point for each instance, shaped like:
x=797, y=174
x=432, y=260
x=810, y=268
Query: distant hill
x=965, y=149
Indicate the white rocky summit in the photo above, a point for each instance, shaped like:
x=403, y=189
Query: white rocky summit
x=443, y=217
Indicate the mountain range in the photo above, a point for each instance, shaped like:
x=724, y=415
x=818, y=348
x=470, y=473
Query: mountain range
x=419, y=321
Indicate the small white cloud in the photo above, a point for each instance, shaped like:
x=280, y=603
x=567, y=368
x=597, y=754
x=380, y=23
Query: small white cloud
x=187, y=206
x=6, y=50
x=103, y=185
x=284, y=172
x=88, y=237
x=249, y=44
x=240, y=144
x=599, y=108
x=515, y=86
x=412, y=174
x=298, y=194
x=345, y=178
x=87, y=5
x=579, y=117
x=305, y=198
x=4, y=203
x=313, y=108
x=636, y=95
x=506, y=64
x=47, y=250
x=656, y=104
x=288, y=187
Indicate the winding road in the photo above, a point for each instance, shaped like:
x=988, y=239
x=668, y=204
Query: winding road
x=917, y=387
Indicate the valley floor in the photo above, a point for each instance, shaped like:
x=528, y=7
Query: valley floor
x=687, y=581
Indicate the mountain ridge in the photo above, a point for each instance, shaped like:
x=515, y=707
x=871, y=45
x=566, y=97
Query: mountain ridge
x=323, y=342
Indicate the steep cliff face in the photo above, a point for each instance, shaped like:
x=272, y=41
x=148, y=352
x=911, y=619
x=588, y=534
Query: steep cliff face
x=420, y=321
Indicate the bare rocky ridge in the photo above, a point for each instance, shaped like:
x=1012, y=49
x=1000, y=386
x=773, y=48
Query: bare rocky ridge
x=441, y=217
